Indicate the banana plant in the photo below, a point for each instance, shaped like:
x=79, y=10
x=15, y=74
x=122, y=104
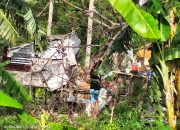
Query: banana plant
x=169, y=88
x=139, y=20
x=13, y=94
x=31, y=23
x=146, y=26
x=171, y=54
x=158, y=12
x=6, y=100
x=11, y=86
x=7, y=31
x=18, y=17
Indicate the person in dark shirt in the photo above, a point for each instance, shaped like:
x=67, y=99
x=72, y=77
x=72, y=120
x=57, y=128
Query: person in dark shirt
x=95, y=86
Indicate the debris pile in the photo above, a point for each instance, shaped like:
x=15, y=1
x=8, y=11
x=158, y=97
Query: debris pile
x=52, y=68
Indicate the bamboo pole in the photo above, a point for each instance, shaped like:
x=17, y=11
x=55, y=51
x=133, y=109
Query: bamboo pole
x=89, y=33
x=50, y=17
x=112, y=112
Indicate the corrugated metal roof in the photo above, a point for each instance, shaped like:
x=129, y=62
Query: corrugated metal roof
x=51, y=65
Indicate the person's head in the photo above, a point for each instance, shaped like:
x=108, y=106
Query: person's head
x=110, y=85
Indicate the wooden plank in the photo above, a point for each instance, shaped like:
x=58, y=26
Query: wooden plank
x=129, y=74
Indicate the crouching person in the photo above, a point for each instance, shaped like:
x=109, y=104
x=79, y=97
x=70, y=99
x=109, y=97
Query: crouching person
x=95, y=87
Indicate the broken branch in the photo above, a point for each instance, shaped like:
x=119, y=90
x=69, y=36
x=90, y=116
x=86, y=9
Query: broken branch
x=83, y=5
x=103, y=17
x=98, y=59
x=72, y=5
x=44, y=8
x=96, y=12
x=100, y=22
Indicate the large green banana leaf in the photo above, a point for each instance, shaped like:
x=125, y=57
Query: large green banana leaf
x=158, y=7
x=6, y=100
x=140, y=21
x=176, y=38
x=27, y=119
x=16, y=10
x=7, y=31
x=165, y=29
x=164, y=24
x=12, y=86
x=31, y=24
x=168, y=54
x=171, y=54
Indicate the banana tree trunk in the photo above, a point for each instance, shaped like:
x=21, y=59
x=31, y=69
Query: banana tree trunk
x=170, y=107
x=169, y=92
x=171, y=87
x=178, y=88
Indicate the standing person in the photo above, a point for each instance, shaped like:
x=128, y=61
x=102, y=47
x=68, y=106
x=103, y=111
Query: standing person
x=95, y=87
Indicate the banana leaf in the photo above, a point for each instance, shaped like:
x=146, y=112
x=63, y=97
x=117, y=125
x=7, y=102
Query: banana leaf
x=6, y=100
x=176, y=39
x=31, y=24
x=158, y=7
x=165, y=29
x=169, y=55
x=164, y=24
x=27, y=119
x=7, y=31
x=20, y=15
x=12, y=86
x=31, y=2
x=140, y=21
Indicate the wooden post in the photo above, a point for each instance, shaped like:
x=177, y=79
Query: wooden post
x=112, y=111
x=89, y=33
x=50, y=17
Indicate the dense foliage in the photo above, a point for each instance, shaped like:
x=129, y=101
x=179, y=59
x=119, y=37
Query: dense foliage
x=145, y=107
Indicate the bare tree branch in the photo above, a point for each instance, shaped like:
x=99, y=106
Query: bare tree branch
x=83, y=5
x=114, y=27
x=97, y=13
x=117, y=15
x=72, y=5
x=102, y=23
x=98, y=59
x=44, y=8
x=103, y=17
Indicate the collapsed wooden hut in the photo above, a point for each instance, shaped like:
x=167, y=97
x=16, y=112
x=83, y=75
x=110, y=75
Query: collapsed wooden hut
x=51, y=69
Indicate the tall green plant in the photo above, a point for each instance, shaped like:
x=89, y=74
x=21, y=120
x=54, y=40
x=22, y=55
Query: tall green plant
x=12, y=86
x=7, y=31
x=31, y=23
x=6, y=100
x=145, y=25
x=140, y=21
x=20, y=18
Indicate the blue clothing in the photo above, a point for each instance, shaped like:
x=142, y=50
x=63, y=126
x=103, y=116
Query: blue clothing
x=94, y=95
